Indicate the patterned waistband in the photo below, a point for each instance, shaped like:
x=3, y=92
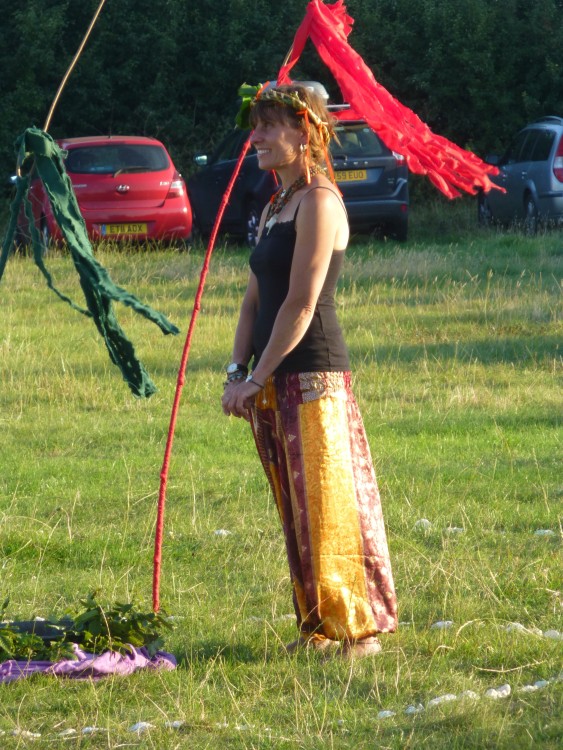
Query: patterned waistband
x=291, y=388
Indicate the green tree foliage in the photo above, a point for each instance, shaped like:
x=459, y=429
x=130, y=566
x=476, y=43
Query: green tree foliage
x=475, y=70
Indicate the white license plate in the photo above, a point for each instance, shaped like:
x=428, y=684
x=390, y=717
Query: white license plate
x=351, y=175
x=111, y=230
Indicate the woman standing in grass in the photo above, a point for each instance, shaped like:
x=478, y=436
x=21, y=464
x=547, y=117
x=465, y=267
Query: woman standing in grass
x=306, y=424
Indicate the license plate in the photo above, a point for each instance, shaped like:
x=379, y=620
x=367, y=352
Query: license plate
x=351, y=175
x=110, y=230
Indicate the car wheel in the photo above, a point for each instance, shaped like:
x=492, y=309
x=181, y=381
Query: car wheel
x=484, y=213
x=399, y=230
x=198, y=236
x=530, y=216
x=252, y=224
x=20, y=241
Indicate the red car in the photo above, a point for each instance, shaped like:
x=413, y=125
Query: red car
x=127, y=188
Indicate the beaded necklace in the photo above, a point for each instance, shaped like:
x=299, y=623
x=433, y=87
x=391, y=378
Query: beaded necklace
x=282, y=197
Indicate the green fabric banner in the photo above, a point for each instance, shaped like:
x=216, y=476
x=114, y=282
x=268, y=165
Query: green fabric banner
x=98, y=288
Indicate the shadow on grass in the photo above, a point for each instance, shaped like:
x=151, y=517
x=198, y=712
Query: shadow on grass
x=490, y=351
x=238, y=653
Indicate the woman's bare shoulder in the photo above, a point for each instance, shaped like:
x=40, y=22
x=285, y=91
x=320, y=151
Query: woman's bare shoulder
x=322, y=193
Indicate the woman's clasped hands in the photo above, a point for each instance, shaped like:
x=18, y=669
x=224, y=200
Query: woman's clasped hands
x=237, y=398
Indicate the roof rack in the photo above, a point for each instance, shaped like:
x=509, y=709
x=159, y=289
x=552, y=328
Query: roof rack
x=314, y=86
x=551, y=118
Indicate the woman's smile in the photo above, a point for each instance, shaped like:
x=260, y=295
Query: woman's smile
x=276, y=144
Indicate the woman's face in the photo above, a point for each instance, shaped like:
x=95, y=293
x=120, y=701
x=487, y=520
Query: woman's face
x=276, y=143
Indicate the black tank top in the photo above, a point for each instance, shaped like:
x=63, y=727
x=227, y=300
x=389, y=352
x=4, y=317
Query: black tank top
x=322, y=348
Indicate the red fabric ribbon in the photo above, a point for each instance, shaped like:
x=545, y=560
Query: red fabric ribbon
x=448, y=166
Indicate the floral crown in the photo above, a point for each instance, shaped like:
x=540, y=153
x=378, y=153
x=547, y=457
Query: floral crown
x=252, y=94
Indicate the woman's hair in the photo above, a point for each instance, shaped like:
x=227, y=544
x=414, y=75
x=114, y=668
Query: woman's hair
x=298, y=107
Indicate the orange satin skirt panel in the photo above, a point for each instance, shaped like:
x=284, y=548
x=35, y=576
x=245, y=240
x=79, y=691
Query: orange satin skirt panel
x=313, y=447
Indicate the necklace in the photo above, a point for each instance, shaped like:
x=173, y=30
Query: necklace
x=282, y=197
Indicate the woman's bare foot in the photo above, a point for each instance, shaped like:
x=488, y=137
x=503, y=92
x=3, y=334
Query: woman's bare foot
x=358, y=649
x=313, y=643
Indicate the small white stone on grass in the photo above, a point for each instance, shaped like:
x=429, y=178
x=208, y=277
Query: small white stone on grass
x=447, y=698
x=385, y=714
x=517, y=627
x=454, y=530
x=141, y=726
x=441, y=624
x=527, y=689
x=469, y=695
x=92, y=730
x=222, y=532
x=541, y=684
x=544, y=532
x=555, y=634
x=67, y=732
x=415, y=709
x=25, y=733
x=501, y=692
x=174, y=724
x=423, y=524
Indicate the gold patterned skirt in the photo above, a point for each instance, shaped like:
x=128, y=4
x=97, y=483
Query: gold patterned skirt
x=313, y=447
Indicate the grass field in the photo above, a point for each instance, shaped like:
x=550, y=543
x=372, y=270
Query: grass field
x=455, y=339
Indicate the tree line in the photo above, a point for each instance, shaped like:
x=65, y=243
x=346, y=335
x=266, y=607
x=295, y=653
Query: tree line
x=474, y=70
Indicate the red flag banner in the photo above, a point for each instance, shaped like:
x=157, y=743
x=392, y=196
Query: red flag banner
x=449, y=167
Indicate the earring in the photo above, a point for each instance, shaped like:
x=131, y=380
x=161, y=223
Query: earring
x=302, y=148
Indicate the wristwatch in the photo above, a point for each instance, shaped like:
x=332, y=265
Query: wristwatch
x=234, y=367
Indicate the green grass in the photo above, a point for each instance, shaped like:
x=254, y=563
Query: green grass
x=455, y=339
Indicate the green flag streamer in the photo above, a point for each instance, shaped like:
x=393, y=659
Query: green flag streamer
x=98, y=288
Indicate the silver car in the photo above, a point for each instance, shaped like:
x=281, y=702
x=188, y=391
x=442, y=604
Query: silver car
x=531, y=173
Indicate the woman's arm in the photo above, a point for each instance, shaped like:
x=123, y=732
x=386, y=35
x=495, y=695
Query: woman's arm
x=242, y=347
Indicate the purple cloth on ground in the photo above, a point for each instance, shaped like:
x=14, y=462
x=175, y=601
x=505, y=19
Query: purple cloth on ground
x=89, y=665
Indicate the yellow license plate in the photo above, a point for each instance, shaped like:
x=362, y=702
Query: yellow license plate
x=351, y=175
x=110, y=230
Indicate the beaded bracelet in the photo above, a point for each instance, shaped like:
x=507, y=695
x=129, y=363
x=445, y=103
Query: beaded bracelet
x=238, y=375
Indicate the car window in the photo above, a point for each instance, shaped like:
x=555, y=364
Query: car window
x=356, y=139
x=112, y=157
x=529, y=145
x=543, y=145
x=230, y=148
x=514, y=152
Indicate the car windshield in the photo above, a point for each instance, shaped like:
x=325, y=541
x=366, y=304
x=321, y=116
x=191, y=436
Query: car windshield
x=114, y=158
x=354, y=140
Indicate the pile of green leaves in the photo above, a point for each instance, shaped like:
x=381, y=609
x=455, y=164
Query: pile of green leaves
x=96, y=628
